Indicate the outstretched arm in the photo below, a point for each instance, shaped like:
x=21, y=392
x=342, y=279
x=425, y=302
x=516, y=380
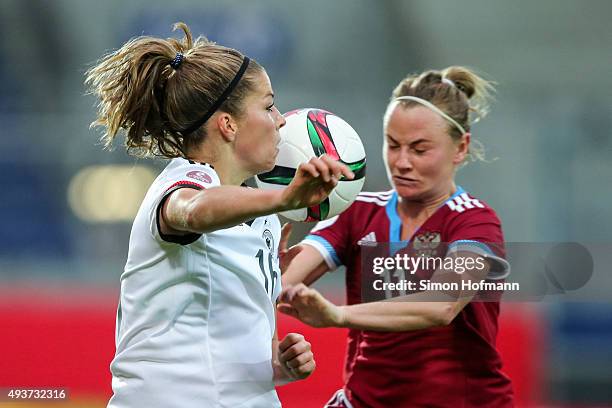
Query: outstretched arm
x=188, y=210
x=411, y=312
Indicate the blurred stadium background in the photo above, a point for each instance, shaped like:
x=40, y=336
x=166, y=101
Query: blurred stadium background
x=66, y=204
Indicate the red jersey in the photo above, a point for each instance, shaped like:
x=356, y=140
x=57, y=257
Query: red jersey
x=453, y=366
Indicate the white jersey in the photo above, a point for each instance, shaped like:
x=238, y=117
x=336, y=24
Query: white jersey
x=196, y=316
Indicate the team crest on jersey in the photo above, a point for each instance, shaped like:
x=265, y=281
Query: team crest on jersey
x=268, y=238
x=199, y=175
x=426, y=243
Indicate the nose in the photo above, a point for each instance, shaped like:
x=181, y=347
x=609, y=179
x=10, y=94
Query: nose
x=403, y=161
x=280, y=119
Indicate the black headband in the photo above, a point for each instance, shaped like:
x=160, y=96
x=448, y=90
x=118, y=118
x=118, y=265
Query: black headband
x=221, y=99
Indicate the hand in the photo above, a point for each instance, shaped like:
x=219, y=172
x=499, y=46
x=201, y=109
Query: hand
x=313, y=182
x=296, y=360
x=310, y=307
x=286, y=255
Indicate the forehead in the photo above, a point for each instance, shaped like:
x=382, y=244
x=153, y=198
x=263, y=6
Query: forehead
x=410, y=123
x=263, y=86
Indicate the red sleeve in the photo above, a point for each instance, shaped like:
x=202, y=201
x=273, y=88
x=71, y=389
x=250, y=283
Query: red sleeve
x=478, y=224
x=332, y=238
x=479, y=230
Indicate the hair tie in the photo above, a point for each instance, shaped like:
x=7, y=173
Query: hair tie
x=433, y=108
x=178, y=59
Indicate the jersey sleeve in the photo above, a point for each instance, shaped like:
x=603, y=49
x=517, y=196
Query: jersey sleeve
x=331, y=238
x=479, y=231
x=185, y=175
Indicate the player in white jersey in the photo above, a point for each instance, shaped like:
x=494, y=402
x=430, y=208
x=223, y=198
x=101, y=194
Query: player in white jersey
x=196, y=324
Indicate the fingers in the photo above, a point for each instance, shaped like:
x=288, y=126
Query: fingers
x=323, y=166
x=288, y=294
x=286, y=256
x=304, y=370
x=347, y=172
x=336, y=169
x=327, y=168
x=284, y=239
x=308, y=169
x=294, y=350
x=296, y=354
x=287, y=309
x=300, y=359
x=289, y=340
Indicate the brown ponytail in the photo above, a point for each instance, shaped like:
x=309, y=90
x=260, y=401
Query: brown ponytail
x=144, y=90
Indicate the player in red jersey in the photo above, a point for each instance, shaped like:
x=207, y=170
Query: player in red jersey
x=413, y=353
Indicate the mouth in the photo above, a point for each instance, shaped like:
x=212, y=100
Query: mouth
x=404, y=180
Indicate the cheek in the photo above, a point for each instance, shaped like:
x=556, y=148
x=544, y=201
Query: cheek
x=439, y=165
x=266, y=126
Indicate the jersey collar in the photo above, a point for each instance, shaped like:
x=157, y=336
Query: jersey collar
x=395, y=223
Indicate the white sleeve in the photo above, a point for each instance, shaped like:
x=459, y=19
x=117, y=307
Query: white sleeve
x=180, y=173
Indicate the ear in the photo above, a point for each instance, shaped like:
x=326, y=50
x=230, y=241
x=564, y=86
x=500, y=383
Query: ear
x=463, y=146
x=228, y=127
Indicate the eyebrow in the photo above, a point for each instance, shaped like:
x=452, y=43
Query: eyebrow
x=416, y=142
x=269, y=94
x=391, y=139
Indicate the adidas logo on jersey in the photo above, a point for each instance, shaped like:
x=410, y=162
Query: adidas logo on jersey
x=367, y=239
x=463, y=202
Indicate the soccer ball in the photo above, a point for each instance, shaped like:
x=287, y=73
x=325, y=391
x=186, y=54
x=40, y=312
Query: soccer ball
x=309, y=133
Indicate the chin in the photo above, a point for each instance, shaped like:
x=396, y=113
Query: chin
x=266, y=168
x=408, y=193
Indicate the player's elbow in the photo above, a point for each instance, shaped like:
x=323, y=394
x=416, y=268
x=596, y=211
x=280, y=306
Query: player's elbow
x=197, y=218
x=443, y=315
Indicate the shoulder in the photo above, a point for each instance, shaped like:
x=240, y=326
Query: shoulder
x=465, y=206
x=185, y=173
x=371, y=199
x=367, y=204
x=368, y=211
x=366, y=207
x=468, y=217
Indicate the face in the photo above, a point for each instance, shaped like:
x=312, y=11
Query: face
x=258, y=135
x=420, y=155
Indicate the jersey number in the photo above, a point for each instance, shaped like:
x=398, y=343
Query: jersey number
x=267, y=282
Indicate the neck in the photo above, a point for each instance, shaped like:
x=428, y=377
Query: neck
x=222, y=159
x=226, y=170
x=424, y=208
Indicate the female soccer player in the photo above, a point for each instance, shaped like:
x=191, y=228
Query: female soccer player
x=413, y=353
x=196, y=323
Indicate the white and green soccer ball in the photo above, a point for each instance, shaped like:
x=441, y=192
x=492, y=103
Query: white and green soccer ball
x=313, y=132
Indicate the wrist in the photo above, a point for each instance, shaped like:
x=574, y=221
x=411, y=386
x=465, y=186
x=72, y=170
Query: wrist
x=279, y=200
x=342, y=316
